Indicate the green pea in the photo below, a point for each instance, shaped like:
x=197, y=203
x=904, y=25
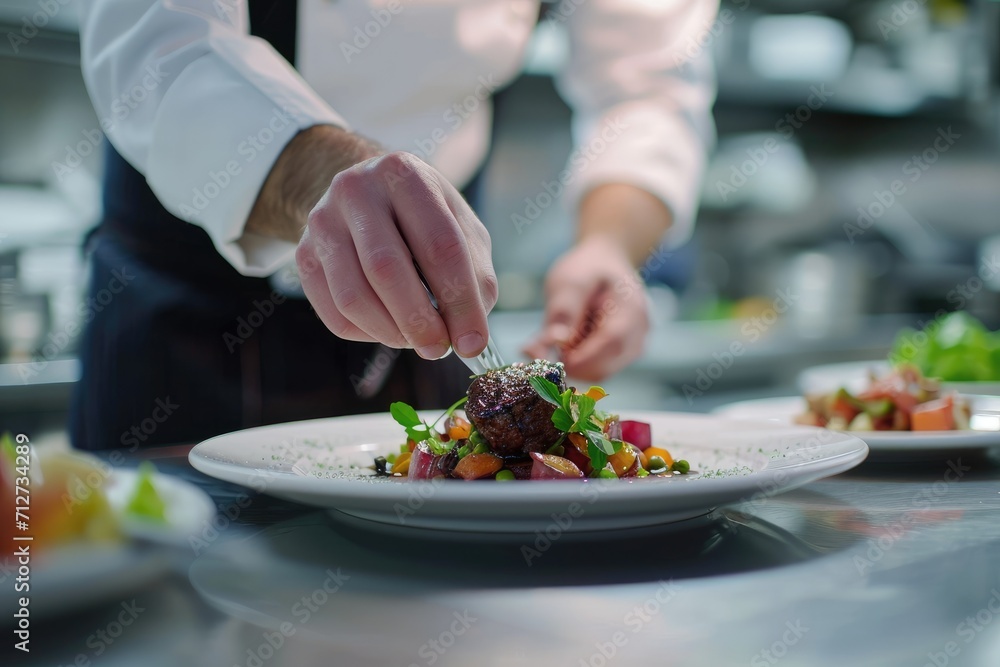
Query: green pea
x=505, y=476
x=681, y=466
x=657, y=464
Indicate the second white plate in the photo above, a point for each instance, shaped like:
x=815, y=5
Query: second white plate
x=783, y=409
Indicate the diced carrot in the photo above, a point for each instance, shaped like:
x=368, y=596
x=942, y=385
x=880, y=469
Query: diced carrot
x=402, y=464
x=662, y=453
x=579, y=442
x=477, y=466
x=411, y=444
x=934, y=415
x=460, y=429
x=596, y=393
x=623, y=459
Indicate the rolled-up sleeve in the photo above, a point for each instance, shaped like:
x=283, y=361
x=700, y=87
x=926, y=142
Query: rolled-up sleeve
x=200, y=108
x=641, y=85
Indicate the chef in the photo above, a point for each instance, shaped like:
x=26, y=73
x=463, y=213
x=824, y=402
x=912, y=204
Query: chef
x=334, y=137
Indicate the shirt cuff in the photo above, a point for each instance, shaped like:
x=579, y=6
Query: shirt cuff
x=219, y=130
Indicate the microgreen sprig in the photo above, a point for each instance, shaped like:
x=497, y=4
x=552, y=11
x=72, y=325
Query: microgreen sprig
x=421, y=431
x=576, y=413
x=416, y=429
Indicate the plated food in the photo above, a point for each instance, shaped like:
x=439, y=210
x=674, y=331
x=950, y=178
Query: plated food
x=61, y=497
x=327, y=463
x=522, y=422
x=902, y=400
x=93, y=532
x=71, y=501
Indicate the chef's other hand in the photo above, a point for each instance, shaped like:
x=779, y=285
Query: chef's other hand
x=356, y=259
x=596, y=313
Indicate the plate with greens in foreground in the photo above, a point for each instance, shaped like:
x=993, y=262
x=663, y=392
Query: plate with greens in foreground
x=89, y=531
x=523, y=452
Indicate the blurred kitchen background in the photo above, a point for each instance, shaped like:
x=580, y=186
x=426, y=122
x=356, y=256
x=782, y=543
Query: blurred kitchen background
x=868, y=85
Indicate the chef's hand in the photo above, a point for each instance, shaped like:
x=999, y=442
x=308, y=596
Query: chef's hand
x=356, y=259
x=376, y=214
x=596, y=315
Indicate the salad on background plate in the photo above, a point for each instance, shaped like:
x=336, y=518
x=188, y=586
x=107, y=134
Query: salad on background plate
x=902, y=400
x=957, y=350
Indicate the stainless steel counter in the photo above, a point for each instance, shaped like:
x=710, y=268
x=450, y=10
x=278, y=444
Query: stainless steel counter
x=890, y=564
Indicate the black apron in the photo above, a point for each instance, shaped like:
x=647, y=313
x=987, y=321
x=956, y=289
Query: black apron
x=183, y=347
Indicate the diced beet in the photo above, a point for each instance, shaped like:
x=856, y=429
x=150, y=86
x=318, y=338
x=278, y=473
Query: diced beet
x=424, y=464
x=639, y=434
x=579, y=459
x=549, y=466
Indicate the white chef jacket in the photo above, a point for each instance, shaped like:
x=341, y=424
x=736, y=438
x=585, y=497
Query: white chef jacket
x=203, y=110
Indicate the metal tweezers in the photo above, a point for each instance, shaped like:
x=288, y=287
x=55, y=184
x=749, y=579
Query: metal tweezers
x=486, y=360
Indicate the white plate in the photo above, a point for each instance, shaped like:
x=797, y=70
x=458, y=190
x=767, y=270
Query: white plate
x=72, y=576
x=853, y=376
x=307, y=462
x=188, y=508
x=782, y=410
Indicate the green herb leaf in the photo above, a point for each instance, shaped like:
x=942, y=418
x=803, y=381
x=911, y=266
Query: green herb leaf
x=408, y=418
x=404, y=414
x=599, y=441
x=566, y=398
x=562, y=420
x=546, y=389
x=598, y=459
x=585, y=408
x=599, y=448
